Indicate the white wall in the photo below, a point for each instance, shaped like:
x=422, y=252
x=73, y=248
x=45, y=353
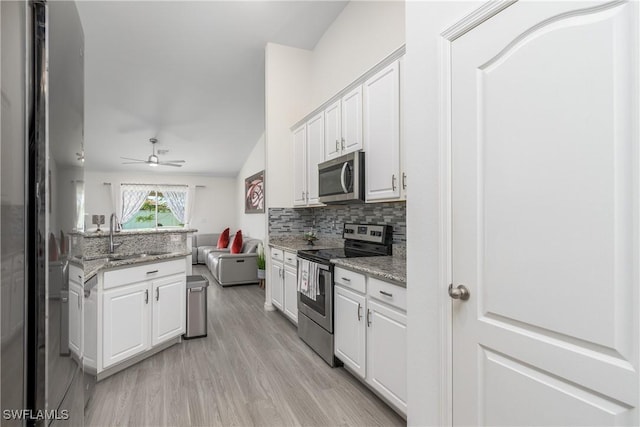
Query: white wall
x=426, y=285
x=361, y=36
x=253, y=225
x=215, y=207
x=287, y=100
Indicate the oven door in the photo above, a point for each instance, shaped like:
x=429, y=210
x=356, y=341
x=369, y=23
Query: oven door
x=320, y=310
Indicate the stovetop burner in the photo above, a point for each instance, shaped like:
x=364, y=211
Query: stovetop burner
x=361, y=240
x=333, y=253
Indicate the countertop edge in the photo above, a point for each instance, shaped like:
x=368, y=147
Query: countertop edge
x=93, y=270
x=352, y=264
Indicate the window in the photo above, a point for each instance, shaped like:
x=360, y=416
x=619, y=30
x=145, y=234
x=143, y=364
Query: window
x=152, y=206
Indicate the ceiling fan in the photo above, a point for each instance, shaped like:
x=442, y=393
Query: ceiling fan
x=153, y=160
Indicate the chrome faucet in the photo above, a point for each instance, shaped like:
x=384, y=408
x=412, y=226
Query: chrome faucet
x=112, y=226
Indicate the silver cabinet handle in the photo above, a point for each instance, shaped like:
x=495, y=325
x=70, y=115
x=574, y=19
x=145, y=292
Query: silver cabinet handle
x=342, y=143
x=152, y=271
x=404, y=181
x=64, y=300
x=368, y=317
x=393, y=182
x=386, y=294
x=196, y=289
x=337, y=145
x=79, y=303
x=359, y=315
x=459, y=292
x=157, y=294
x=346, y=279
x=146, y=296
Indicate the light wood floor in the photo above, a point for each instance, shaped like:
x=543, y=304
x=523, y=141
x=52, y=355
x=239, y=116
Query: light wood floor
x=251, y=369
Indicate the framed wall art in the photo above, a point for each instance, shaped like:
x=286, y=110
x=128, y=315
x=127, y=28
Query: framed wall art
x=254, y=193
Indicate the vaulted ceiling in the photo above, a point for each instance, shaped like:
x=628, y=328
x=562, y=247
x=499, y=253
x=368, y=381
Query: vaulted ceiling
x=188, y=73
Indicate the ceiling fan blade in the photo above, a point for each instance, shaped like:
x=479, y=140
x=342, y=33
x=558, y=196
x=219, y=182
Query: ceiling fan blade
x=169, y=164
x=173, y=161
x=129, y=158
x=135, y=163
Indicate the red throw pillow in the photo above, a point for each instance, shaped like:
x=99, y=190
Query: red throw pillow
x=236, y=246
x=223, y=240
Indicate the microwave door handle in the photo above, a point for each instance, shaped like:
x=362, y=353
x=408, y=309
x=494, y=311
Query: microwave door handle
x=343, y=175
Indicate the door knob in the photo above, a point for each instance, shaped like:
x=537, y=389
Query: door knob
x=459, y=292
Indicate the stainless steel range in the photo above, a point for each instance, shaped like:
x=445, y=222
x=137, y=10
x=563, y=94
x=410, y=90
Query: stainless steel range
x=315, y=303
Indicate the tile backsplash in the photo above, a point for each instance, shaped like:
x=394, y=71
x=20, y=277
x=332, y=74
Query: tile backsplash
x=328, y=220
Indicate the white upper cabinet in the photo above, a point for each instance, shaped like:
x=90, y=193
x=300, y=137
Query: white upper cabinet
x=315, y=155
x=382, y=134
x=332, y=130
x=403, y=147
x=352, y=121
x=308, y=151
x=343, y=125
x=299, y=166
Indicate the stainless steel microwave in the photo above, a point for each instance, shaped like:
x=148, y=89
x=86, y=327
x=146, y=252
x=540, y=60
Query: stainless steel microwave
x=341, y=180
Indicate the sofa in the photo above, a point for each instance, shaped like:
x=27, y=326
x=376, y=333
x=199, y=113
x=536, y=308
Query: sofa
x=227, y=268
x=201, y=245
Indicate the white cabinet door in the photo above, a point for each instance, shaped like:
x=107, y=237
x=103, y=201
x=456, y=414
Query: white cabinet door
x=291, y=293
x=332, y=131
x=545, y=195
x=403, y=147
x=126, y=312
x=382, y=134
x=277, y=284
x=350, y=329
x=168, y=314
x=315, y=155
x=300, y=166
x=352, y=121
x=387, y=353
x=75, y=303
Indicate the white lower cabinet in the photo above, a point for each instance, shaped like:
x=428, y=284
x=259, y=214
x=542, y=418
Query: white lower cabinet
x=125, y=328
x=75, y=303
x=350, y=329
x=169, y=305
x=291, y=293
x=370, y=333
x=277, y=284
x=284, y=282
x=137, y=316
x=387, y=352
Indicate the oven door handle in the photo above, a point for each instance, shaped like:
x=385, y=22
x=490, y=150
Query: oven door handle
x=343, y=177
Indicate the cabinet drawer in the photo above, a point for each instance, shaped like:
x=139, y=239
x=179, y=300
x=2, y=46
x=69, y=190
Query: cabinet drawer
x=277, y=254
x=389, y=293
x=76, y=274
x=291, y=259
x=350, y=279
x=138, y=273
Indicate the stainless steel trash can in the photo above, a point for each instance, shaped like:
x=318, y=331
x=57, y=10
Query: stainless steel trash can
x=196, y=307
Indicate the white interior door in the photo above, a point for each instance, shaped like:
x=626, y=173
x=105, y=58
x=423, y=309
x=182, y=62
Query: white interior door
x=544, y=128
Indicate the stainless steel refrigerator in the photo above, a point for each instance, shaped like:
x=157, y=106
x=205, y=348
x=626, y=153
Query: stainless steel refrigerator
x=41, y=184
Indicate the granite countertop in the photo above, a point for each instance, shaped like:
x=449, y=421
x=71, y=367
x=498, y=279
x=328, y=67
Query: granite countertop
x=297, y=243
x=93, y=266
x=389, y=268
x=105, y=233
